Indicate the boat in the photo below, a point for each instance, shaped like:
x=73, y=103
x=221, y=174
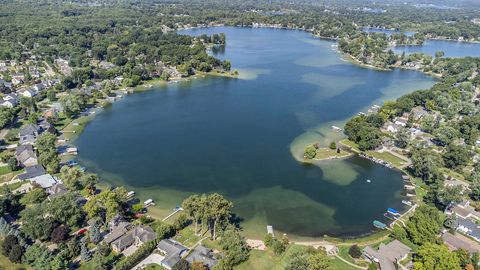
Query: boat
x=409, y=203
x=369, y=181
x=409, y=187
x=148, y=202
x=335, y=128
x=392, y=211
x=379, y=224
x=130, y=194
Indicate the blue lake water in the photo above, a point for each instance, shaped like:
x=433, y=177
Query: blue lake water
x=242, y=137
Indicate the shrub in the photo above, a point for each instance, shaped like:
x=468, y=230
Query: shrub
x=355, y=252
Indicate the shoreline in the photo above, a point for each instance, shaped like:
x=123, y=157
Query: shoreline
x=150, y=84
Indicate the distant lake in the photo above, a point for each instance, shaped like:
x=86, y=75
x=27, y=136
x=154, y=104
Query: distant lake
x=240, y=137
x=452, y=49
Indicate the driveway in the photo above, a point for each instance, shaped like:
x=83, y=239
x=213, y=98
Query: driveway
x=153, y=258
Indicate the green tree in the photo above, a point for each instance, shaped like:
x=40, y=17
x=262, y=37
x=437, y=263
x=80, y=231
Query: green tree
x=424, y=226
x=402, y=138
x=435, y=257
x=355, y=251
x=319, y=261
x=234, y=247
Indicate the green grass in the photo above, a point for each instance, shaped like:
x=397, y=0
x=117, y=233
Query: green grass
x=5, y=170
x=338, y=264
x=352, y=145
x=343, y=252
x=187, y=236
x=388, y=157
x=327, y=153
x=73, y=129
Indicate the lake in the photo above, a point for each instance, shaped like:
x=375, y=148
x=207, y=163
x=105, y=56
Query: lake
x=242, y=137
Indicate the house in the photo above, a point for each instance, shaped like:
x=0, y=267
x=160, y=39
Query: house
x=38, y=87
x=18, y=79
x=25, y=156
x=468, y=227
x=457, y=241
x=29, y=93
x=137, y=236
x=392, y=128
x=32, y=171
x=400, y=122
x=418, y=113
x=117, y=231
x=44, y=181
x=28, y=133
x=203, y=255
x=173, y=252
x=464, y=211
x=8, y=103
x=388, y=255
x=56, y=191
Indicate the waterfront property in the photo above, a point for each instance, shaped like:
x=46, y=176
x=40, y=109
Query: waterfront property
x=388, y=255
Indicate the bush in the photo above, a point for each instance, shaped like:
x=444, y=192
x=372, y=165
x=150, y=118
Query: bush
x=333, y=145
x=278, y=247
x=355, y=252
x=268, y=240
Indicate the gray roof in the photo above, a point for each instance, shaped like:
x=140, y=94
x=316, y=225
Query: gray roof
x=45, y=180
x=203, y=255
x=117, y=232
x=173, y=252
x=32, y=171
x=454, y=242
x=23, y=153
x=56, y=191
x=472, y=229
x=388, y=254
x=140, y=234
x=29, y=129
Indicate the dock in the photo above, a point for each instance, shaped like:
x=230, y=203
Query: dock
x=175, y=210
x=270, y=230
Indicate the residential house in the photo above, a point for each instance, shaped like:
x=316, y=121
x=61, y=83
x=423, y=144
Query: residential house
x=137, y=236
x=18, y=78
x=457, y=241
x=25, y=156
x=468, y=227
x=32, y=172
x=173, y=252
x=39, y=87
x=388, y=255
x=29, y=133
x=44, y=181
x=10, y=100
x=29, y=93
x=418, y=113
x=56, y=190
x=203, y=255
x=464, y=211
x=117, y=231
x=392, y=128
x=400, y=122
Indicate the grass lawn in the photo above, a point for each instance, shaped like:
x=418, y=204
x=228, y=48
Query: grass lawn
x=187, y=236
x=73, y=129
x=388, y=157
x=350, y=144
x=5, y=170
x=338, y=264
x=453, y=174
x=343, y=252
x=327, y=153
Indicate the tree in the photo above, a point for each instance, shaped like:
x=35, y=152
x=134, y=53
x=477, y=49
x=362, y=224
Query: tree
x=234, y=247
x=402, y=138
x=36, y=195
x=193, y=207
x=450, y=194
x=180, y=222
x=450, y=222
x=355, y=251
x=181, y=265
x=94, y=232
x=439, y=54
x=12, y=249
x=444, y=135
x=99, y=261
x=269, y=240
x=198, y=266
x=333, y=145
x=424, y=225
x=71, y=177
x=64, y=209
x=310, y=152
x=7, y=115
x=219, y=210
x=435, y=257
x=60, y=234
x=34, y=224
x=319, y=261
x=278, y=247
x=456, y=156
x=85, y=254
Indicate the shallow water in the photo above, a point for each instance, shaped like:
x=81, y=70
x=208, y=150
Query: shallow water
x=237, y=136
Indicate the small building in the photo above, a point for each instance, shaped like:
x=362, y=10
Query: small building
x=56, y=191
x=44, y=181
x=468, y=227
x=137, y=236
x=32, y=172
x=203, y=255
x=29, y=93
x=418, y=113
x=464, y=211
x=400, y=122
x=28, y=133
x=388, y=255
x=173, y=252
x=25, y=156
